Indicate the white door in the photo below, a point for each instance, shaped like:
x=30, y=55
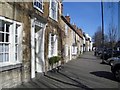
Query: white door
x=38, y=49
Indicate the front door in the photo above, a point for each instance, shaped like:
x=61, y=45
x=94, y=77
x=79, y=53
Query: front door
x=38, y=49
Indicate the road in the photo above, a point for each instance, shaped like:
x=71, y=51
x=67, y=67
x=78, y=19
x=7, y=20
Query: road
x=85, y=72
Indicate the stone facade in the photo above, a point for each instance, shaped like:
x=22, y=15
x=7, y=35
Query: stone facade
x=15, y=74
x=37, y=26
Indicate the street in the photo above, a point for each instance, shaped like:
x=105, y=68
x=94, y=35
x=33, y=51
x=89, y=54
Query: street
x=85, y=72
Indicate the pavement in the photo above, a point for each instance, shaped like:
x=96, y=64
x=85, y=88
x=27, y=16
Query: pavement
x=85, y=72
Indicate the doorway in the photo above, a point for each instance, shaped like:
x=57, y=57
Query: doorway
x=38, y=49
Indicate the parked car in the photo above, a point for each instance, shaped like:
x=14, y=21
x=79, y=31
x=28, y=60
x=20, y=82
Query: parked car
x=106, y=54
x=110, y=61
x=109, y=53
x=115, y=68
x=98, y=51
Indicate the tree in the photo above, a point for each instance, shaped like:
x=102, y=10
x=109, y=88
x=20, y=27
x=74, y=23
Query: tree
x=97, y=38
x=112, y=28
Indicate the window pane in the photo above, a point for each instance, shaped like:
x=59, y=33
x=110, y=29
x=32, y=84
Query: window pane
x=7, y=37
x=37, y=4
x=1, y=48
x=7, y=28
x=52, y=4
x=1, y=57
x=16, y=39
x=1, y=37
x=40, y=6
x=6, y=57
x=16, y=56
x=52, y=38
x=1, y=26
x=7, y=48
x=16, y=31
x=16, y=48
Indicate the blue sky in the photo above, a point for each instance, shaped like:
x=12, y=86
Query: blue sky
x=87, y=15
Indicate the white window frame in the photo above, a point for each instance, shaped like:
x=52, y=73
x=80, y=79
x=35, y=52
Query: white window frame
x=3, y=50
x=66, y=50
x=12, y=52
x=53, y=46
x=56, y=11
x=74, y=50
x=40, y=2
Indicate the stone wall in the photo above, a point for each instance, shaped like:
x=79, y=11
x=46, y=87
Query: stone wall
x=16, y=74
x=11, y=77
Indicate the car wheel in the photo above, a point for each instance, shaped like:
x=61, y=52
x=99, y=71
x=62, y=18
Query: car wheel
x=117, y=74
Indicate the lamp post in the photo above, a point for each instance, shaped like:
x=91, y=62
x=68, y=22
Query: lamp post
x=102, y=31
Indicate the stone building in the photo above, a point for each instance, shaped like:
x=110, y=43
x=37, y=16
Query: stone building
x=29, y=35
x=71, y=39
x=79, y=39
x=88, y=42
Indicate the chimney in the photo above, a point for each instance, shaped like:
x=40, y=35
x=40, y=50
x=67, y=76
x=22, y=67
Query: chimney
x=75, y=27
x=67, y=18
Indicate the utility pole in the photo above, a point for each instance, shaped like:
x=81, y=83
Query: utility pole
x=102, y=31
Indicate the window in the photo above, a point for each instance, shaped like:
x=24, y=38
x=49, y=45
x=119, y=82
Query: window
x=53, y=9
x=38, y=4
x=9, y=33
x=53, y=44
x=74, y=50
x=4, y=42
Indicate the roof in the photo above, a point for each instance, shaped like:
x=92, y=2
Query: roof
x=64, y=19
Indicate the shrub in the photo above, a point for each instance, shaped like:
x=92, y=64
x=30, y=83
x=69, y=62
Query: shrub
x=54, y=59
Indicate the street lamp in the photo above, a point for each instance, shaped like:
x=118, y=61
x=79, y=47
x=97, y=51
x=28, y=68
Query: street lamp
x=102, y=30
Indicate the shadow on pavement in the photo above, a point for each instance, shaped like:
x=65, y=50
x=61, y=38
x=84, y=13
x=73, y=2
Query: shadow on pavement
x=79, y=85
x=104, y=74
x=88, y=58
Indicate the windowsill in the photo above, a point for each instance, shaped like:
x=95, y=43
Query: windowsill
x=9, y=66
x=39, y=9
x=53, y=19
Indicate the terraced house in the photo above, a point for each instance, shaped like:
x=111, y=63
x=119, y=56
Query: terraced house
x=72, y=39
x=30, y=34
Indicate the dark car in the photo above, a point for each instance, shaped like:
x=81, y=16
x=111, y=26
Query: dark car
x=111, y=60
x=109, y=53
x=115, y=68
x=106, y=54
x=98, y=51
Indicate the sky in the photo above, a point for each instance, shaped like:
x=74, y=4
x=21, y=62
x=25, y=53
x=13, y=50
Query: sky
x=87, y=15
